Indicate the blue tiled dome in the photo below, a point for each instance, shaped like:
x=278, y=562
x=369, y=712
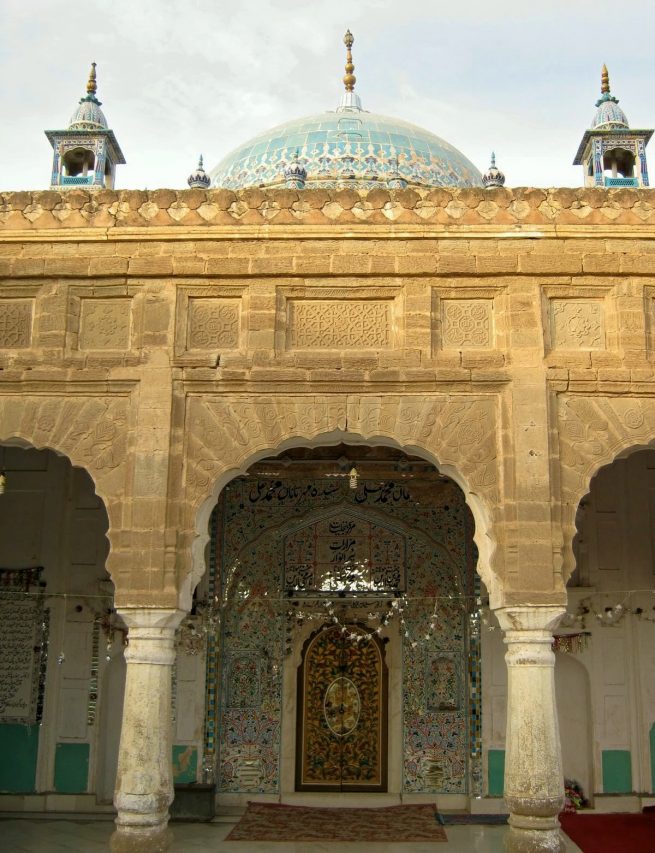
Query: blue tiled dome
x=88, y=115
x=609, y=113
x=348, y=147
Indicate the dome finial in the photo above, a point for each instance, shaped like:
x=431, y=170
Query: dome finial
x=349, y=78
x=604, y=80
x=91, y=84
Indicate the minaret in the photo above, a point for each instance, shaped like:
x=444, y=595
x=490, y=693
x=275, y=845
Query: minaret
x=86, y=153
x=349, y=100
x=611, y=153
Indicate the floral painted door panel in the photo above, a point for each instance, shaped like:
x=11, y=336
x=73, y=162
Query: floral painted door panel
x=342, y=714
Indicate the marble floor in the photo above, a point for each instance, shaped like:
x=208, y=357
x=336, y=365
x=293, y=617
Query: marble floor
x=44, y=835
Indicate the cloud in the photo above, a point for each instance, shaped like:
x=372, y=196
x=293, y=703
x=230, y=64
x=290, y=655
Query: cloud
x=179, y=77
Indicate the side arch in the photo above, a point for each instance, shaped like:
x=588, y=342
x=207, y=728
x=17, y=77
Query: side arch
x=89, y=431
x=224, y=438
x=593, y=432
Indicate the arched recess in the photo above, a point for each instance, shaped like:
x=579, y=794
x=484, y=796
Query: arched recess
x=224, y=438
x=575, y=721
x=592, y=433
x=262, y=524
x=90, y=431
x=57, y=594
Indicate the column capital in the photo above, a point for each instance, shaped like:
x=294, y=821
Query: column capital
x=151, y=633
x=151, y=617
x=540, y=619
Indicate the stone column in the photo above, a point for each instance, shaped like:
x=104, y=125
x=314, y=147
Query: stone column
x=144, y=781
x=534, y=790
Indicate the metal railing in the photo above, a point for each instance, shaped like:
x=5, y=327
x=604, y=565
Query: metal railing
x=621, y=182
x=76, y=180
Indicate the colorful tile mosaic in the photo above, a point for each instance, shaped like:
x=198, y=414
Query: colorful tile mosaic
x=257, y=523
x=347, y=148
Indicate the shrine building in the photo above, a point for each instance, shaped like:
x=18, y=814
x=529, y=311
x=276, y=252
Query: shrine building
x=329, y=478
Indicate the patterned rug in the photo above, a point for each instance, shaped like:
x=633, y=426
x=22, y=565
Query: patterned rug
x=275, y=822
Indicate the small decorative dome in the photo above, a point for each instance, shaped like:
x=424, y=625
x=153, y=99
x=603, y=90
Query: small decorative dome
x=609, y=114
x=493, y=177
x=88, y=115
x=199, y=179
x=295, y=173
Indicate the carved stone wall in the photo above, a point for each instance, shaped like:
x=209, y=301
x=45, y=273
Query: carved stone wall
x=459, y=434
x=475, y=206
x=164, y=339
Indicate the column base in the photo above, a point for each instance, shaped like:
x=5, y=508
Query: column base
x=534, y=835
x=141, y=839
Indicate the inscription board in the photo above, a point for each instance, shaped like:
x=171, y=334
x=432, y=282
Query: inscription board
x=344, y=554
x=23, y=638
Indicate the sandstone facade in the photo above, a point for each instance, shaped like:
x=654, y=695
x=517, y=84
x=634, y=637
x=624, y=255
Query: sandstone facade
x=165, y=340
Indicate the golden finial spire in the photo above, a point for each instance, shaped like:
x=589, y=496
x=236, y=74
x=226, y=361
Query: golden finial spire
x=349, y=78
x=604, y=80
x=91, y=85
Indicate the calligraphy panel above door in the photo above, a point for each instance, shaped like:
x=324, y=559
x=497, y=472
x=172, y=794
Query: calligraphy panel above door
x=344, y=553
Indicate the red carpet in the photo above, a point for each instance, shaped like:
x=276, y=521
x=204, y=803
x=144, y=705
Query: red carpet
x=611, y=833
x=274, y=822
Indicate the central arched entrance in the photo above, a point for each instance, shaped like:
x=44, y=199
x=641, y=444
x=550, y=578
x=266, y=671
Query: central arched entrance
x=320, y=559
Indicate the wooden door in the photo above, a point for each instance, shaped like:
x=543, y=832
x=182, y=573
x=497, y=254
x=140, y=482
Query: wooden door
x=342, y=714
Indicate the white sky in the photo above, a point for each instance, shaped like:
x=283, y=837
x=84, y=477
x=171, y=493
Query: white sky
x=181, y=77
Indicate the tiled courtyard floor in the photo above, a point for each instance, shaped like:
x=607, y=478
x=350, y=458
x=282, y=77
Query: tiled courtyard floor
x=42, y=835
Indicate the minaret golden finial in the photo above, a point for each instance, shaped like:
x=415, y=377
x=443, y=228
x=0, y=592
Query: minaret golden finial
x=91, y=85
x=349, y=78
x=604, y=80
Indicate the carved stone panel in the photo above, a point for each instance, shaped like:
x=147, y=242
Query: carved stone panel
x=467, y=323
x=105, y=324
x=15, y=323
x=577, y=324
x=213, y=323
x=330, y=324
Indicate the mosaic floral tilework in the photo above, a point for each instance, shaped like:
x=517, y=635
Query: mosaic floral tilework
x=248, y=543
x=347, y=146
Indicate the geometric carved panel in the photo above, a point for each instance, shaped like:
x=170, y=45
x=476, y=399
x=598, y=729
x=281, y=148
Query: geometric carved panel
x=213, y=323
x=336, y=324
x=577, y=324
x=15, y=323
x=105, y=324
x=466, y=323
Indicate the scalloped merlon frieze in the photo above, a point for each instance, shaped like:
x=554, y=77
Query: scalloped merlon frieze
x=438, y=207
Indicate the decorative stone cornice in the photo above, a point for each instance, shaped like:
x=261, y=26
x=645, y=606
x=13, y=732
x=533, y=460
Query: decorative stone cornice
x=438, y=209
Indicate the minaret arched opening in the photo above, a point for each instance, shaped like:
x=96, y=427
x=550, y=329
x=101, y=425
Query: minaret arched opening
x=78, y=161
x=619, y=163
